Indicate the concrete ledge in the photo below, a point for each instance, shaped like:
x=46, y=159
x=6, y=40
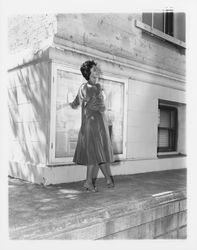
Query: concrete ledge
x=154, y=217
x=47, y=175
x=140, y=206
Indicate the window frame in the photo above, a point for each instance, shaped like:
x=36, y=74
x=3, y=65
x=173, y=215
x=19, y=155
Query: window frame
x=174, y=131
x=159, y=34
x=52, y=160
x=165, y=18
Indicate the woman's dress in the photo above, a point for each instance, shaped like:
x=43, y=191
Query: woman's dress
x=94, y=143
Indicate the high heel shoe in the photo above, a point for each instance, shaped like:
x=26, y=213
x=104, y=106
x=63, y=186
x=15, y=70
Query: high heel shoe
x=89, y=187
x=110, y=183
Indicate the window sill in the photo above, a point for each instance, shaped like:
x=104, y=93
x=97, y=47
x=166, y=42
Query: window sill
x=159, y=34
x=170, y=155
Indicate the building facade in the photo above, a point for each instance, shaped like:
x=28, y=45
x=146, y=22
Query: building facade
x=142, y=58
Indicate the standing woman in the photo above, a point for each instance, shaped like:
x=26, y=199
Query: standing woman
x=94, y=148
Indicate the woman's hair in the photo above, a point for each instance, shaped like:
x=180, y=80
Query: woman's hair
x=86, y=68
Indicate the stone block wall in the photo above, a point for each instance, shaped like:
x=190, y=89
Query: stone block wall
x=163, y=222
x=116, y=34
x=154, y=217
x=112, y=33
x=25, y=31
x=29, y=111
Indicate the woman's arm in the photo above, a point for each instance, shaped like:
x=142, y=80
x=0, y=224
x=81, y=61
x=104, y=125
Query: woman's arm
x=75, y=103
x=60, y=106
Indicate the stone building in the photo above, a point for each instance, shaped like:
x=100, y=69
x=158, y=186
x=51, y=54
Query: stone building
x=142, y=57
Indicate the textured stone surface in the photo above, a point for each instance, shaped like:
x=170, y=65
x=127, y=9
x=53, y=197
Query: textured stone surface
x=116, y=34
x=25, y=31
x=112, y=33
x=182, y=220
x=144, y=231
x=166, y=224
x=170, y=235
x=29, y=112
x=67, y=212
x=182, y=233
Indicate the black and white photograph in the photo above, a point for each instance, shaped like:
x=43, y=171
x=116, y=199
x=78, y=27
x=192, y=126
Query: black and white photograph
x=97, y=106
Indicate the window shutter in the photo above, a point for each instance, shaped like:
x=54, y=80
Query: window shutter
x=164, y=119
x=163, y=138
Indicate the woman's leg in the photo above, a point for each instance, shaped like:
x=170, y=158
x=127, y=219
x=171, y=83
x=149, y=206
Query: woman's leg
x=108, y=169
x=105, y=168
x=89, y=174
x=110, y=173
x=95, y=174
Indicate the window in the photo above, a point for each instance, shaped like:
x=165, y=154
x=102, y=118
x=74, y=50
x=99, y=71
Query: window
x=66, y=122
x=168, y=22
x=167, y=129
x=114, y=92
x=161, y=21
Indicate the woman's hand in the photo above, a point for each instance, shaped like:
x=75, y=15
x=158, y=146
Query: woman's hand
x=70, y=97
x=60, y=106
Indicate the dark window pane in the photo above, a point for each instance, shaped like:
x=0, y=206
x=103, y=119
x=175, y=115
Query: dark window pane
x=167, y=130
x=172, y=139
x=169, y=23
x=173, y=120
x=147, y=18
x=158, y=22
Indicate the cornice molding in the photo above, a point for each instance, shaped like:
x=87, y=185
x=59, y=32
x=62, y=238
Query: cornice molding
x=81, y=49
x=135, y=70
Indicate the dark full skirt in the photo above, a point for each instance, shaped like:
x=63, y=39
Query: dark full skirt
x=94, y=143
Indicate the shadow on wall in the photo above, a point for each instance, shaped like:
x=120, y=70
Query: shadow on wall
x=29, y=111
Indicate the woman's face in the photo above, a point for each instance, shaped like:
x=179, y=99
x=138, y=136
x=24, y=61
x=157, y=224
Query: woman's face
x=94, y=75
